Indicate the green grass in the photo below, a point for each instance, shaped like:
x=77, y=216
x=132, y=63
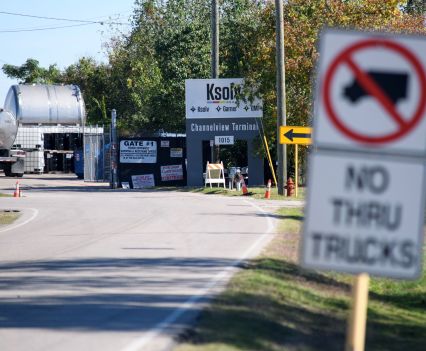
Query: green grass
x=273, y=304
x=5, y=195
x=255, y=192
x=8, y=217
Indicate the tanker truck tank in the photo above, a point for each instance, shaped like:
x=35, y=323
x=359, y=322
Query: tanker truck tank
x=12, y=162
x=8, y=129
x=46, y=104
x=35, y=104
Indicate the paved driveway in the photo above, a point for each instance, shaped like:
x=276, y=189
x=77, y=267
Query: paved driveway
x=88, y=268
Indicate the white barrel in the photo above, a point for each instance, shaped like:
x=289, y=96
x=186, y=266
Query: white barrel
x=8, y=129
x=46, y=104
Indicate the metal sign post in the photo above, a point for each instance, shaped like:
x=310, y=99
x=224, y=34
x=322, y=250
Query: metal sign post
x=296, y=135
x=296, y=169
x=114, y=150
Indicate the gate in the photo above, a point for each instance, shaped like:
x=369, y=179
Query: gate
x=97, y=160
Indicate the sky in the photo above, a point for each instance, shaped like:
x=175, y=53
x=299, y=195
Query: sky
x=63, y=46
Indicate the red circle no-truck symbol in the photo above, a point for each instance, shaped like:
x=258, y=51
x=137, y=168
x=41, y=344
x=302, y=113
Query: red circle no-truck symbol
x=375, y=91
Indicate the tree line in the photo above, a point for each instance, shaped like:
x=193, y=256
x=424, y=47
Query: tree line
x=169, y=41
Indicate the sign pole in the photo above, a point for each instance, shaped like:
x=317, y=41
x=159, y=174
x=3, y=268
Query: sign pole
x=215, y=39
x=114, y=150
x=215, y=150
x=271, y=165
x=355, y=336
x=281, y=108
x=296, y=168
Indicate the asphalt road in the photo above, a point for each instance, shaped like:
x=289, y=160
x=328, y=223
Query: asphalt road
x=88, y=268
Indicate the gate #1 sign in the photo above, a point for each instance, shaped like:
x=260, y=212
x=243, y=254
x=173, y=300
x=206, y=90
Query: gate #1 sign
x=138, y=151
x=371, y=92
x=365, y=203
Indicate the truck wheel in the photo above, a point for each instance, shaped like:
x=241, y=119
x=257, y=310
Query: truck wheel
x=7, y=171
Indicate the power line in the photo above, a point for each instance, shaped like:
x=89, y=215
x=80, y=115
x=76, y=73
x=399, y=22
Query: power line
x=61, y=19
x=45, y=28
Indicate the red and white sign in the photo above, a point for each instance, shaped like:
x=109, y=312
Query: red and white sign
x=143, y=181
x=371, y=92
x=366, y=194
x=172, y=172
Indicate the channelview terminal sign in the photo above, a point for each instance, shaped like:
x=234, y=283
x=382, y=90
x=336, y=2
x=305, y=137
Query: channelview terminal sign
x=216, y=111
x=219, y=98
x=365, y=203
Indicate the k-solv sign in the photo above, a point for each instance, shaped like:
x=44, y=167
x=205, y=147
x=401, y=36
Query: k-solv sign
x=219, y=98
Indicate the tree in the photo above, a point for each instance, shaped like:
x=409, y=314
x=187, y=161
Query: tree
x=303, y=22
x=31, y=72
x=169, y=43
x=415, y=7
x=94, y=80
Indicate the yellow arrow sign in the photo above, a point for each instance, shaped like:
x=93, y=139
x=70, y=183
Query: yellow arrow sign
x=295, y=135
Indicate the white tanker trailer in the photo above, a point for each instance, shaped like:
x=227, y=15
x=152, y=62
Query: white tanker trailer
x=35, y=104
x=12, y=161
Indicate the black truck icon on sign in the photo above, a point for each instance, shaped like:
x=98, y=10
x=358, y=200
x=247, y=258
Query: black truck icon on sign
x=394, y=85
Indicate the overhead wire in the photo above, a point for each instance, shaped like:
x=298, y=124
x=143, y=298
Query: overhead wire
x=62, y=19
x=81, y=22
x=45, y=28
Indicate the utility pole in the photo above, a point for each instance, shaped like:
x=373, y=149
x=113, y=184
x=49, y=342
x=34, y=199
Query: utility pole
x=281, y=110
x=114, y=150
x=215, y=59
x=215, y=39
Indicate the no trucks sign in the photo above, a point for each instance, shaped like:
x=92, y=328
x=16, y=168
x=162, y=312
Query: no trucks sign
x=365, y=205
x=363, y=215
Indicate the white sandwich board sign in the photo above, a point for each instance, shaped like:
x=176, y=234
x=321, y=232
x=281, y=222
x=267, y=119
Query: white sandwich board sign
x=365, y=204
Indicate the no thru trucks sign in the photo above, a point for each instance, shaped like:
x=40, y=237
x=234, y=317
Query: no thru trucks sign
x=365, y=208
x=360, y=218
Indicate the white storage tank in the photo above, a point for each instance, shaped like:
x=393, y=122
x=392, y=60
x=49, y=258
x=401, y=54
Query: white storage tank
x=8, y=129
x=46, y=104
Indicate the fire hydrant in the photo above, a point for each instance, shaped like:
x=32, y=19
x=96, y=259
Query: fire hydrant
x=290, y=187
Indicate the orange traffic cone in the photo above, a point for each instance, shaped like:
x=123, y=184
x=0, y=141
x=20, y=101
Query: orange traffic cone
x=17, y=192
x=268, y=190
x=243, y=185
x=245, y=190
x=290, y=187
